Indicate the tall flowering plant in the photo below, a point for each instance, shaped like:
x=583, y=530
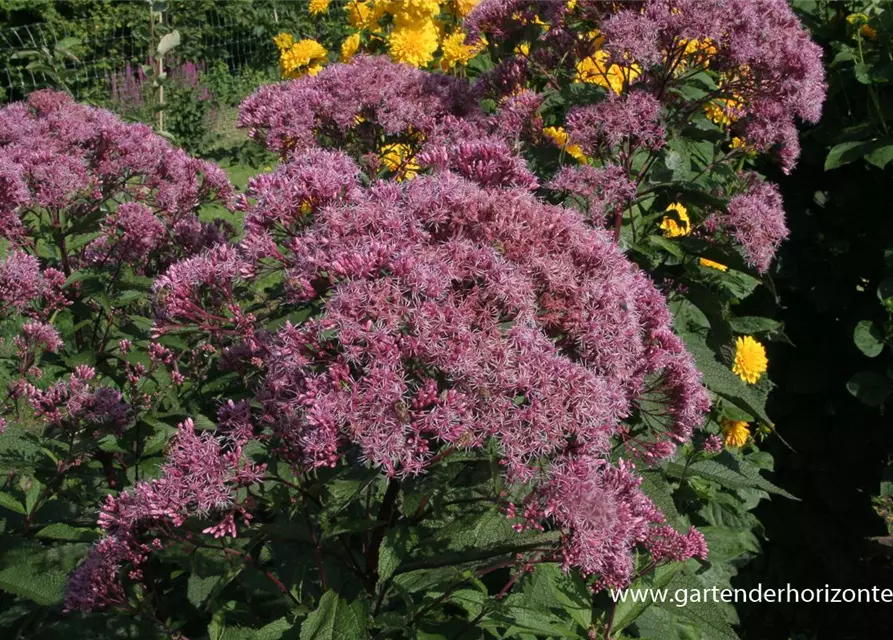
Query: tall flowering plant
x=92, y=209
x=434, y=384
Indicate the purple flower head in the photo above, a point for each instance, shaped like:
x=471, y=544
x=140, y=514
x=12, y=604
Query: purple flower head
x=357, y=99
x=199, y=479
x=606, y=190
x=21, y=281
x=633, y=119
x=757, y=221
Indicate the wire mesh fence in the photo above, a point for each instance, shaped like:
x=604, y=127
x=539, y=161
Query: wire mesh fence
x=92, y=57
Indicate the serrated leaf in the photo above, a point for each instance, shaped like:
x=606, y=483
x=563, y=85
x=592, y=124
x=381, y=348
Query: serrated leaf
x=9, y=502
x=750, y=325
x=655, y=487
x=628, y=610
x=396, y=547
x=725, y=544
x=198, y=589
x=39, y=573
x=336, y=619
x=281, y=629
x=708, y=615
x=727, y=471
x=62, y=531
x=720, y=379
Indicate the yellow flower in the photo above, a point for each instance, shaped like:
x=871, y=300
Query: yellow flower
x=412, y=13
x=350, y=46
x=595, y=69
x=364, y=14
x=306, y=56
x=868, y=31
x=523, y=49
x=713, y=265
x=463, y=7
x=694, y=51
x=857, y=18
x=674, y=228
x=284, y=41
x=750, y=360
x=317, y=7
x=571, y=5
x=725, y=111
x=455, y=51
x=415, y=46
x=735, y=433
x=560, y=137
x=398, y=157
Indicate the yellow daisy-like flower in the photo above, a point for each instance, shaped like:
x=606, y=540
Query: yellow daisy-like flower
x=560, y=137
x=704, y=262
x=674, y=228
x=595, y=69
x=735, y=433
x=857, y=18
x=284, y=41
x=398, y=157
x=413, y=13
x=365, y=14
x=750, y=359
x=463, y=7
x=454, y=51
x=414, y=46
x=523, y=49
x=316, y=7
x=306, y=56
x=350, y=46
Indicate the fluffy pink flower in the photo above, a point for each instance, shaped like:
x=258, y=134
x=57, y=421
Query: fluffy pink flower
x=757, y=221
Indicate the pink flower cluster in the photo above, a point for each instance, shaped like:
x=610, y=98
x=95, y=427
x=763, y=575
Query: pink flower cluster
x=68, y=171
x=77, y=405
x=452, y=314
x=200, y=478
x=63, y=163
x=351, y=107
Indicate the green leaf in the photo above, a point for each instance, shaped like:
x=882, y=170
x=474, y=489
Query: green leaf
x=655, y=487
x=336, y=619
x=720, y=379
x=725, y=544
x=39, y=573
x=396, y=546
x=9, y=502
x=668, y=245
x=281, y=629
x=845, y=153
x=870, y=387
x=727, y=471
x=707, y=614
x=869, y=338
x=750, y=325
x=881, y=156
x=627, y=610
x=62, y=531
x=198, y=589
